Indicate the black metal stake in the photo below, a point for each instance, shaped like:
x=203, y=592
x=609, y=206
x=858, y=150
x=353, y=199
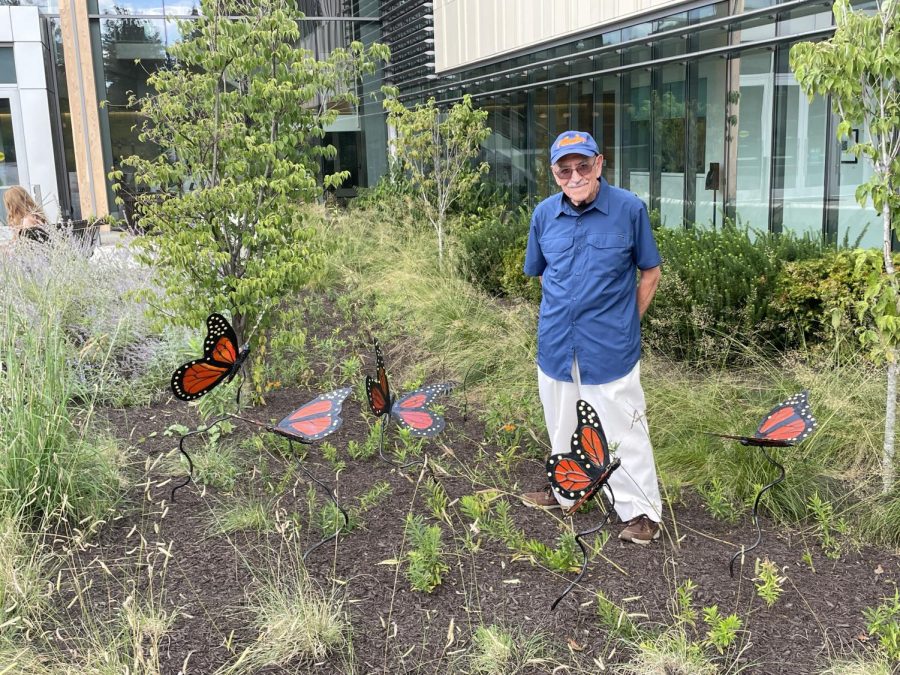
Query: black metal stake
x=756, y=511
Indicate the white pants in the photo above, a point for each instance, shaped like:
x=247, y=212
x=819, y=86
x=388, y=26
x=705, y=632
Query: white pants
x=622, y=410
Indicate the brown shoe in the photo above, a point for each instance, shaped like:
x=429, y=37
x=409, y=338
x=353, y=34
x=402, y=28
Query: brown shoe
x=543, y=499
x=640, y=530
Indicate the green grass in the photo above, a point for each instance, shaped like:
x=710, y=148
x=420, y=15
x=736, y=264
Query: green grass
x=235, y=516
x=455, y=328
x=295, y=619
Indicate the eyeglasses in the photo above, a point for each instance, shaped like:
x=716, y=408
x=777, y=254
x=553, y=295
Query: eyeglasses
x=583, y=169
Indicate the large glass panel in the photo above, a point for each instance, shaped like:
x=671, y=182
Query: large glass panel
x=608, y=127
x=542, y=140
x=51, y=6
x=710, y=153
x=669, y=143
x=799, y=158
x=133, y=48
x=131, y=6
x=9, y=167
x=518, y=144
x=857, y=225
x=635, y=174
x=7, y=66
x=752, y=131
x=561, y=119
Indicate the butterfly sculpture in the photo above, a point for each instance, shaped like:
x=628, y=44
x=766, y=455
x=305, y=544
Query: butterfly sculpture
x=580, y=474
x=787, y=424
x=222, y=359
x=410, y=411
x=311, y=422
x=314, y=420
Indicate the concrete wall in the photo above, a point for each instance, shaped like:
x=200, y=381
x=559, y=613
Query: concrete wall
x=467, y=31
x=21, y=27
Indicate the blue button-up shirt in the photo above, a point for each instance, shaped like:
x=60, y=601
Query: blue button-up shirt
x=588, y=261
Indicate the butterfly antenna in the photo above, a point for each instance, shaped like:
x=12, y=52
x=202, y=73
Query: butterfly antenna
x=184, y=452
x=579, y=539
x=775, y=482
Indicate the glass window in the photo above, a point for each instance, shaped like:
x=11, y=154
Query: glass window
x=799, y=157
x=125, y=40
x=635, y=170
x=131, y=6
x=752, y=132
x=856, y=225
x=7, y=66
x=710, y=140
x=607, y=128
x=669, y=144
x=51, y=6
x=542, y=140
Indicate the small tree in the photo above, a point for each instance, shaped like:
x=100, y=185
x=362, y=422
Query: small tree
x=238, y=120
x=436, y=151
x=859, y=68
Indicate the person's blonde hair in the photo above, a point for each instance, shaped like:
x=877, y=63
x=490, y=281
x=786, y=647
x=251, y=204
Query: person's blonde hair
x=19, y=204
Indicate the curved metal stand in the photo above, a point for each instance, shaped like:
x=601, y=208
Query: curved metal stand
x=331, y=496
x=237, y=400
x=775, y=482
x=578, y=537
x=384, y=422
x=184, y=452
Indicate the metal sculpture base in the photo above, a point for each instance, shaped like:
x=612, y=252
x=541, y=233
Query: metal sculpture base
x=584, y=550
x=775, y=482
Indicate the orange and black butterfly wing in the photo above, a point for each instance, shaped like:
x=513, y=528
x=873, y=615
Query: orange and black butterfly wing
x=195, y=378
x=377, y=389
x=316, y=419
x=579, y=473
x=411, y=410
x=221, y=360
x=789, y=422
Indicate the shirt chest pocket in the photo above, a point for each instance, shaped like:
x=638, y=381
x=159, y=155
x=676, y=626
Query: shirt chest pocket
x=608, y=254
x=558, y=253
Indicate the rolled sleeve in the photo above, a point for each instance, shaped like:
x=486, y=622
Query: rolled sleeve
x=535, y=263
x=646, y=254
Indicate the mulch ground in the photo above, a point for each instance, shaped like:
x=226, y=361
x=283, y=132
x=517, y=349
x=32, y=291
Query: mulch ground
x=398, y=630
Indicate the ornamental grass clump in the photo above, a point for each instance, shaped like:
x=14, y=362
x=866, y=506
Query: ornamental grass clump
x=54, y=465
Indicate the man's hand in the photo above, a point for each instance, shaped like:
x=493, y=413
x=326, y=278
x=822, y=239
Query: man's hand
x=646, y=288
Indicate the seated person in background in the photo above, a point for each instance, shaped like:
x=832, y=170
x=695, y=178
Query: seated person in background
x=24, y=216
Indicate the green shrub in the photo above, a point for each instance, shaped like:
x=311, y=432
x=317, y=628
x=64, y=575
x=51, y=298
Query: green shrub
x=486, y=245
x=815, y=298
x=717, y=287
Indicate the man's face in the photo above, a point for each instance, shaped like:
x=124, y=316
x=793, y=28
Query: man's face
x=577, y=175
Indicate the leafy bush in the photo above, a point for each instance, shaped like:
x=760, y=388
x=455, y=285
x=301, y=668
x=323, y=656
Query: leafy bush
x=717, y=286
x=816, y=297
x=487, y=245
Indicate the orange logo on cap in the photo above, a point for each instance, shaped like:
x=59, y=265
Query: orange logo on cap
x=572, y=140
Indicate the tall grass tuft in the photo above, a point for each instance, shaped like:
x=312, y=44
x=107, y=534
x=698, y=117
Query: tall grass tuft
x=297, y=622
x=53, y=465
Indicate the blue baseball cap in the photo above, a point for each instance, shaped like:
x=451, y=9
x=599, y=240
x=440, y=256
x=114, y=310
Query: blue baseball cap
x=573, y=143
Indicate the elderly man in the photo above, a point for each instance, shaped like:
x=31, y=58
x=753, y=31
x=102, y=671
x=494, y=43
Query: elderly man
x=586, y=246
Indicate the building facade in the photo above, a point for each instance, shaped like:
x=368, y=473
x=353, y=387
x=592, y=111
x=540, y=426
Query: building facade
x=692, y=102
x=68, y=67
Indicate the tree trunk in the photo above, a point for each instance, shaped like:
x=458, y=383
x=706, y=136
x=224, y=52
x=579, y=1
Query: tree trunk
x=887, y=458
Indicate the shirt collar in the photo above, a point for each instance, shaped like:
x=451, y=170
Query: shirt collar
x=601, y=202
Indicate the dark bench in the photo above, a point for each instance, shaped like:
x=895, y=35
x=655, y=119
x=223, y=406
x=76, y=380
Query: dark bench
x=86, y=232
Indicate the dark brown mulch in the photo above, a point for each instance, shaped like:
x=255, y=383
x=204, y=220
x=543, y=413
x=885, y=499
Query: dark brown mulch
x=397, y=630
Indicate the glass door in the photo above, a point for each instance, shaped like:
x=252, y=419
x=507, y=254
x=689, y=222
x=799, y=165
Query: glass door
x=13, y=168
